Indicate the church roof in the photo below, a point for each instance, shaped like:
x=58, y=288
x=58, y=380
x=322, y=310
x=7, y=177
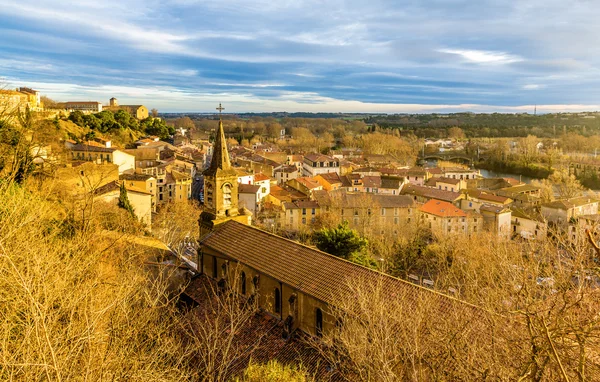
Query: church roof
x=220, y=163
x=309, y=270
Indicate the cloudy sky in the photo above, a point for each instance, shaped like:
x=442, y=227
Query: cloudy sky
x=308, y=55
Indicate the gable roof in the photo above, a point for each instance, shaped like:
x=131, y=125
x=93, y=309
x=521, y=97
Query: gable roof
x=318, y=274
x=431, y=193
x=441, y=208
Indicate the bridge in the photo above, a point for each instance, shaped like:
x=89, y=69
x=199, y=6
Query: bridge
x=451, y=156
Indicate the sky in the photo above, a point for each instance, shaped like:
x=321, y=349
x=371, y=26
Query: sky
x=414, y=56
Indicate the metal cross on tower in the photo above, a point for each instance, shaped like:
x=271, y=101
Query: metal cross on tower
x=220, y=108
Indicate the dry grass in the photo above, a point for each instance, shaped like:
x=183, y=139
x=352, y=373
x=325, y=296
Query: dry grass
x=77, y=306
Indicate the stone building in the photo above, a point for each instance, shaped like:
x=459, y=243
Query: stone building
x=221, y=190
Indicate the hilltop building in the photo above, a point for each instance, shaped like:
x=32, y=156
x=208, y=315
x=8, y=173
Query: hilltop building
x=138, y=111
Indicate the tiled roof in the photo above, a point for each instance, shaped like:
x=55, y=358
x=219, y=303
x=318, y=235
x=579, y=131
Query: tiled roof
x=90, y=148
x=320, y=158
x=318, y=274
x=260, y=177
x=443, y=179
x=287, y=169
x=521, y=188
x=570, y=203
x=371, y=181
x=248, y=188
x=352, y=200
x=301, y=204
x=139, y=177
x=494, y=208
x=488, y=197
x=441, y=208
x=309, y=183
x=391, y=182
x=431, y=193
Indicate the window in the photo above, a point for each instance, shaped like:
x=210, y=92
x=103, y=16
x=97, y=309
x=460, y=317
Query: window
x=304, y=211
x=396, y=220
x=470, y=204
x=215, y=268
x=277, y=301
x=383, y=212
x=243, y=282
x=226, y=195
x=264, y=190
x=313, y=211
x=303, y=220
x=318, y=322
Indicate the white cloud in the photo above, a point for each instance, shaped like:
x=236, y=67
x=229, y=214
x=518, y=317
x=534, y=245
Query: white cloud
x=483, y=56
x=532, y=87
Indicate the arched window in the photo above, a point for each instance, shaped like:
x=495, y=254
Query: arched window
x=243, y=282
x=319, y=322
x=277, y=301
x=226, y=196
x=215, y=268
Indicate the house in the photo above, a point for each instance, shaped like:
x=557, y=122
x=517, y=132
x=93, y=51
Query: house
x=474, y=199
x=560, y=212
x=445, y=218
x=249, y=197
x=446, y=184
x=140, y=200
x=315, y=164
x=143, y=182
x=332, y=181
x=244, y=176
x=460, y=173
x=285, y=173
x=264, y=182
x=297, y=215
x=528, y=224
x=377, y=212
x=392, y=185
x=305, y=185
x=422, y=194
x=99, y=154
x=496, y=219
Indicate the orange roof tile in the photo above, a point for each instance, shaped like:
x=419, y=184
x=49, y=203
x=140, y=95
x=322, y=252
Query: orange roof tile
x=440, y=208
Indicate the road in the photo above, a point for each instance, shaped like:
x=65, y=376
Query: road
x=198, y=188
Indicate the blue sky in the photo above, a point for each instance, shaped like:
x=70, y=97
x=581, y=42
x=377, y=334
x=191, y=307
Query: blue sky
x=308, y=55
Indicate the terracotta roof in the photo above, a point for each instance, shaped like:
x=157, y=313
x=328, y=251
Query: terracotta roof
x=115, y=185
x=494, y=208
x=371, y=181
x=443, y=179
x=441, y=208
x=431, y=193
x=301, y=204
x=318, y=274
x=488, y=197
x=287, y=169
x=248, y=188
x=260, y=177
x=308, y=182
x=320, y=158
x=90, y=148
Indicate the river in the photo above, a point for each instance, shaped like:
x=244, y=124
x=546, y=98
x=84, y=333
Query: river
x=493, y=174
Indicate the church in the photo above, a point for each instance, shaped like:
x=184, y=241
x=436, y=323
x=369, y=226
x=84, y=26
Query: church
x=294, y=283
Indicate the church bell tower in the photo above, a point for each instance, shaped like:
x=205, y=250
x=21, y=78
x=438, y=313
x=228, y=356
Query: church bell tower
x=220, y=188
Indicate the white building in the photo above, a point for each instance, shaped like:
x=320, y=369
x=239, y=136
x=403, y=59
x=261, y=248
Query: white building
x=315, y=164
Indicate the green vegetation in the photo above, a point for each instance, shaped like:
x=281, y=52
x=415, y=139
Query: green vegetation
x=491, y=125
x=107, y=121
x=124, y=200
x=340, y=241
